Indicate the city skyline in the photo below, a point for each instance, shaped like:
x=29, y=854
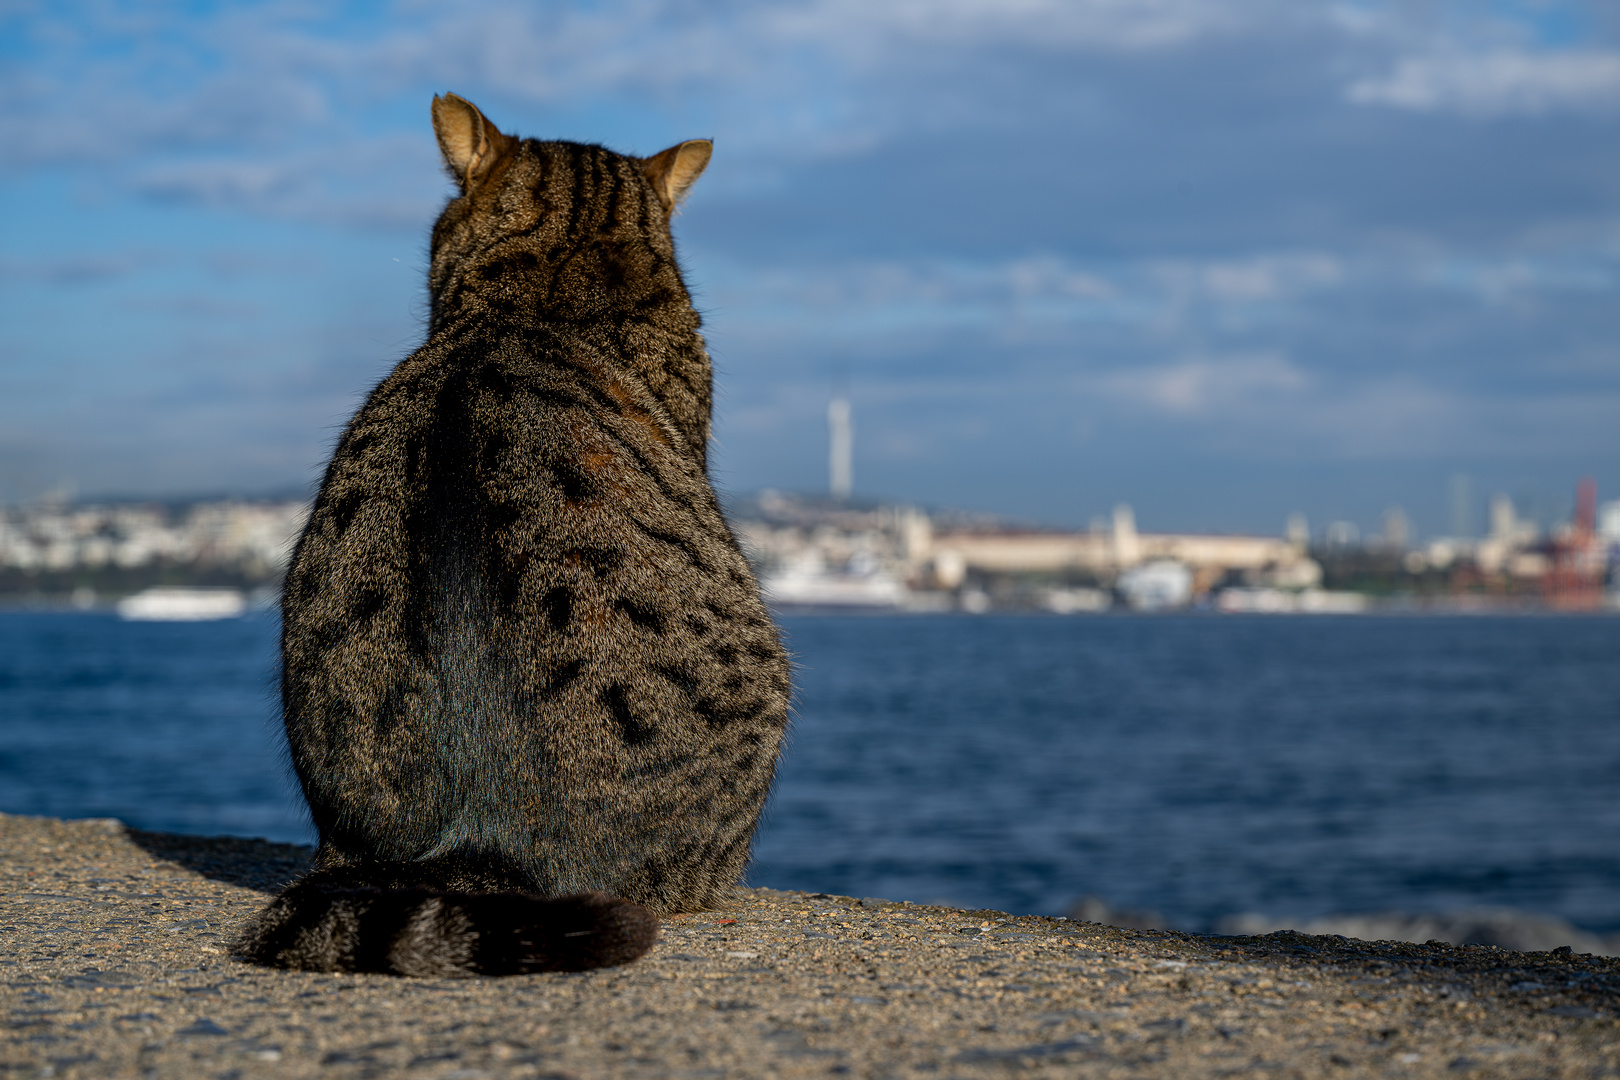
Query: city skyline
x=1222, y=261
x=1542, y=514
x=831, y=552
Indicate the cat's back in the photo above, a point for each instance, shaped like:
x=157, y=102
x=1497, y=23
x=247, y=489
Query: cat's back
x=517, y=622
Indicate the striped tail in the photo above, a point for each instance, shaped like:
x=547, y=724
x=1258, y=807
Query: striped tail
x=384, y=921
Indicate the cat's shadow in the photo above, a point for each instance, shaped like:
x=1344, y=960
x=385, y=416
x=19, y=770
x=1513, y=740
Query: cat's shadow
x=251, y=864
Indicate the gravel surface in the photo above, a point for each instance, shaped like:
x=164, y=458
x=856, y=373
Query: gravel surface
x=114, y=961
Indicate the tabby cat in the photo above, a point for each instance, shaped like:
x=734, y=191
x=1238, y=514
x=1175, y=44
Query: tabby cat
x=529, y=687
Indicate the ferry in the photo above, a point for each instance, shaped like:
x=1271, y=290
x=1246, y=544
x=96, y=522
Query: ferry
x=183, y=604
x=808, y=583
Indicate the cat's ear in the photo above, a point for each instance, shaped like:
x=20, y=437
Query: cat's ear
x=672, y=171
x=471, y=144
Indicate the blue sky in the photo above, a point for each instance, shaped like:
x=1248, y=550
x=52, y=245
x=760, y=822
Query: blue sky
x=1221, y=259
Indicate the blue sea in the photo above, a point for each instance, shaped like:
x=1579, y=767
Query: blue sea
x=1194, y=765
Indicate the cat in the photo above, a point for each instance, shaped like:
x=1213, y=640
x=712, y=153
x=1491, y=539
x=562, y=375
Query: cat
x=529, y=687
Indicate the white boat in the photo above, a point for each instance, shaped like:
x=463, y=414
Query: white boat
x=807, y=583
x=1267, y=601
x=181, y=604
x=1076, y=601
x=1160, y=585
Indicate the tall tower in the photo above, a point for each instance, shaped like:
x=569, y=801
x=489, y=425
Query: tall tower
x=1397, y=529
x=1462, y=507
x=840, y=448
x=1298, y=531
x=1127, y=544
x=1504, y=520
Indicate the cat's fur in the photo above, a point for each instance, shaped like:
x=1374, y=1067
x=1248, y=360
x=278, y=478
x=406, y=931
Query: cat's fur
x=529, y=686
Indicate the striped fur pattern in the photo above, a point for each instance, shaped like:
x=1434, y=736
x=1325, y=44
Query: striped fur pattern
x=522, y=653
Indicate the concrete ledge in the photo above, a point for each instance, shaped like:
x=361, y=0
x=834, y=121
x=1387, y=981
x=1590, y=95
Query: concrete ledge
x=113, y=963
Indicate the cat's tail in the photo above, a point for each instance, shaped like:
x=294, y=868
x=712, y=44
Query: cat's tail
x=330, y=921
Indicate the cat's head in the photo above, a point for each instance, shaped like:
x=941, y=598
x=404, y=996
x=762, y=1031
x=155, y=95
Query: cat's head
x=601, y=218
x=475, y=150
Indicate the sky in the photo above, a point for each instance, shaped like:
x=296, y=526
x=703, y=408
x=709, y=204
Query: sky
x=1222, y=260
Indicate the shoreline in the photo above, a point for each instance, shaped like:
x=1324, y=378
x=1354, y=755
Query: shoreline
x=113, y=944
x=262, y=599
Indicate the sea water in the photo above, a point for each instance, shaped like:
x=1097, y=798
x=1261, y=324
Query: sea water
x=1195, y=765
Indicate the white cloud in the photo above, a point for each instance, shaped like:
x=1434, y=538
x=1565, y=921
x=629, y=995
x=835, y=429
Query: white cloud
x=76, y=269
x=1405, y=417
x=390, y=181
x=1264, y=406
x=1251, y=278
x=1159, y=292
x=1203, y=386
x=1497, y=83
x=1096, y=24
x=1023, y=299
x=100, y=83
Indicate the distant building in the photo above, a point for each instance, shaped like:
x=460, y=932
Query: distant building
x=847, y=551
x=1608, y=524
x=1298, y=531
x=119, y=548
x=1108, y=553
x=840, y=448
x=1397, y=529
x=1505, y=546
x=1462, y=507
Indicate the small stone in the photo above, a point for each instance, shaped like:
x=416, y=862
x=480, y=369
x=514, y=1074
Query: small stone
x=1170, y=1026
